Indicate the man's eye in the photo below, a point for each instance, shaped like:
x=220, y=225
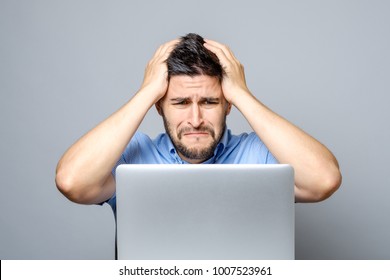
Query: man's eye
x=210, y=102
x=182, y=102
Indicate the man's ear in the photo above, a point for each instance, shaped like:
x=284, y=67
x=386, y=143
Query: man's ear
x=158, y=107
x=228, y=108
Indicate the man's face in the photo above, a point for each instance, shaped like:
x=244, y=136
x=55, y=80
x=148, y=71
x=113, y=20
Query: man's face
x=194, y=111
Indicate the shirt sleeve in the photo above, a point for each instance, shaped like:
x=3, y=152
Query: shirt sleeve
x=260, y=151
x=131, y=153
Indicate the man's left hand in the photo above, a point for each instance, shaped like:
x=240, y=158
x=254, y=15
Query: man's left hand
x=233, y=83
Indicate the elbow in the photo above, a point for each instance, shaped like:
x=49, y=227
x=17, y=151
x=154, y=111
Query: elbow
x=68, y=186
x=321, y=188
x=328, y=185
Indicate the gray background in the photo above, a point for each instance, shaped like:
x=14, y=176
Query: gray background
x=67, y=65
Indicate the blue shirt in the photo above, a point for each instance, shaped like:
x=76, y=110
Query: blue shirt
x=231, y=149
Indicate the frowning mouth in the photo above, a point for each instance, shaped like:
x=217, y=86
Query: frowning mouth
x=200, y=132
x=196, y=133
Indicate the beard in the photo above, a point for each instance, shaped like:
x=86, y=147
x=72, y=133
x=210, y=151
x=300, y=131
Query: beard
x=194, y=153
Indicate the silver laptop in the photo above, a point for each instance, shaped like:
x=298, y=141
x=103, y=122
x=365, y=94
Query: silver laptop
x=205, y=212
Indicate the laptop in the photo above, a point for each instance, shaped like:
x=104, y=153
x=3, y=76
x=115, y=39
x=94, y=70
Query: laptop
x=205, y=212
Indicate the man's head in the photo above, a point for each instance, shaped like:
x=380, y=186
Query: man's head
x=194, y=109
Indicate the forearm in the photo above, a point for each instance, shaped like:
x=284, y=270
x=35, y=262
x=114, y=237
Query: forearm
x=317, y=173
x=84, y=172
x=316, y=169
x=86, y=165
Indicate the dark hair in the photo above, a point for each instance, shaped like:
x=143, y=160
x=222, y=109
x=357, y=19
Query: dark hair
x=191, y=58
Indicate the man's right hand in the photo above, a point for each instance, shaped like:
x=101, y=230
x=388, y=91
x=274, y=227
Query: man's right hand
x=156, y=72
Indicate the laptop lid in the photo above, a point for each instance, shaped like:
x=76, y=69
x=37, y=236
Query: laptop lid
x=205, y=212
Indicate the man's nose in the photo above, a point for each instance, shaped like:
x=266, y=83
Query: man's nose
x=196, y=118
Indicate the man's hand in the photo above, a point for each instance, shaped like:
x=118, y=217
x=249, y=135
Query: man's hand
x=233, y=83
x=156, y=72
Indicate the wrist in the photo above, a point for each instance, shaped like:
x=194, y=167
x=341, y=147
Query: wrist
x=240, y=97
x=151, y=94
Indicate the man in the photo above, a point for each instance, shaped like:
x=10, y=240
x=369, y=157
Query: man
x=193, y=83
